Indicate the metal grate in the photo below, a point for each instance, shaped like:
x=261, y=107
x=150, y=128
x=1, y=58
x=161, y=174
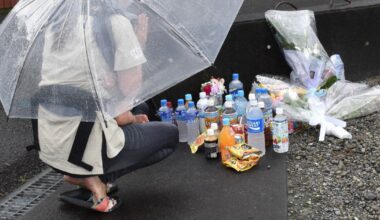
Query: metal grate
x=18, y=203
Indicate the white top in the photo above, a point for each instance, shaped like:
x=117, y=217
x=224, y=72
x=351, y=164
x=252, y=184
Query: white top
x=68, y=65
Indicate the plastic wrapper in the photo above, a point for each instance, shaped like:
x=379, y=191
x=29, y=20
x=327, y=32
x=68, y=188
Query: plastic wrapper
x=243, y=151
x=241, y=165
x=199, y=142
x=296, y=34
x=362, y=103
x=316, y=94
x=328, y=108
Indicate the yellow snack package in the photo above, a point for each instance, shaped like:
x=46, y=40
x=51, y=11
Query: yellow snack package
x=198, y=143
x=243, y=151
x=241, y=165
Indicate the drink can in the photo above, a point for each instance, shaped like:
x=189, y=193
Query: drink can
x=239, y=139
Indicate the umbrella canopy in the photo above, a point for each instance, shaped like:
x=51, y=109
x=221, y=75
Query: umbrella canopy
x=87, y=56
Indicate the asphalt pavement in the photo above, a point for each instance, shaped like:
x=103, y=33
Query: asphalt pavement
x=187, y=186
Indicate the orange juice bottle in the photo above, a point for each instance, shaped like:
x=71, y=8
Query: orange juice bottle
x=226, y=139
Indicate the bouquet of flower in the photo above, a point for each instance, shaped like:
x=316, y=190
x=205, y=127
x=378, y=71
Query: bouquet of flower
x=296, y=34
x=326, y=107
x=214, y=87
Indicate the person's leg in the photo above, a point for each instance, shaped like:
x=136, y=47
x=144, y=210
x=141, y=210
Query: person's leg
x=146, y=144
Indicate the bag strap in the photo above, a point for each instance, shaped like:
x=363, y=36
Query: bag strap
x=79, y=145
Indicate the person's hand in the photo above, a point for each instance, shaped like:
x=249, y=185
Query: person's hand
x=141, y=119
x=142, y=29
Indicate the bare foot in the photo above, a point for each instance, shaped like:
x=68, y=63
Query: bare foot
x=94, y=184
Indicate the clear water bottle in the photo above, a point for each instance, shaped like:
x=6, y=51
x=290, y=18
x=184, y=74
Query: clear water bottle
x=164, y=112
x=201, y=106
x=254, y=87
x=172, y=112
x=259, y=92
x=188, y=98
x=229, y=99
x=192, y=123
x=268, y=115
x=280, y=132
x=240, y=104
x=235, y=85
x=255, y=127
x=215, y=127
x=180, y=114
x=251, y=98
x=338, y=66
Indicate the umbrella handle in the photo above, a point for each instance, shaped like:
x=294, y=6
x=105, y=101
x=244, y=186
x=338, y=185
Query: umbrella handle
x=285, y=3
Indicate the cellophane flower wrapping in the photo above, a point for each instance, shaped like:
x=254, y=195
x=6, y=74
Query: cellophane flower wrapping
x=296, y=34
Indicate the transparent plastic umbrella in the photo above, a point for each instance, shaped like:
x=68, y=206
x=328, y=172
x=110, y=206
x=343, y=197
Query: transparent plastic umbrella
x=86, y=56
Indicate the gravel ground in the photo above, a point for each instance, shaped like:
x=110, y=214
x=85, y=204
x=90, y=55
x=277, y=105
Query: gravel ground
x=336, y=179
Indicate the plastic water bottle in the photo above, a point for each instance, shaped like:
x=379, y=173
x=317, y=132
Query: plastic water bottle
x=254, y=87
x=192, y=123
x=280, y=132
x=235, y=85
x=339, y=66
x=229, y=99
x=268, y=115
x=230, y=113
x=255, y=124
x=258, y=93
x=188, y=98
x=201, y=106
x=172, y=112
x=180, y=114
x=240, y=104
x=215, y=127
x=164, y=112
x=251, y=99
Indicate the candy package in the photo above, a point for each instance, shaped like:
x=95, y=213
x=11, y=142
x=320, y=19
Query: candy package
x=243, y=151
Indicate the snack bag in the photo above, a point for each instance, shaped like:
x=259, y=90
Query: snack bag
x=241, y=165
x=198, y=143
x=243, y=151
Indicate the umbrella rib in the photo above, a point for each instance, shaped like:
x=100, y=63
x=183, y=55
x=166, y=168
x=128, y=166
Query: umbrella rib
x=19, y=70
x=64, y=25
x=189, y=43
x=96, y=96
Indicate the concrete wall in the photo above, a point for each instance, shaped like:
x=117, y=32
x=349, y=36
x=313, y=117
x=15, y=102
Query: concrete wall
x=351, y=32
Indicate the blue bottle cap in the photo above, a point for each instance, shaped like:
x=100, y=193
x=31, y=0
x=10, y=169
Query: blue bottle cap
x=259, y=91
x=164, y=102
x=229, y=98
x=226, y=121
x=235, y=76
x=191, y=104
x=241, y=93
x=181, y=102
x=188, y=97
